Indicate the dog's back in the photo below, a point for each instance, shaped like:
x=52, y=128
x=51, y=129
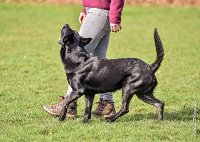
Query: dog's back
x=119, y=69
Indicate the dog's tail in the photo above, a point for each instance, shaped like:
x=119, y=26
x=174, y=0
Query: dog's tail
x=159, y=50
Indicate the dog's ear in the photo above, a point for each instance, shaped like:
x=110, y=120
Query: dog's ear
x=66, y=26
x=85, y=41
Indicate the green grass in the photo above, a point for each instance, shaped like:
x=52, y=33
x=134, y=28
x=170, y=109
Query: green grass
x=31, y=74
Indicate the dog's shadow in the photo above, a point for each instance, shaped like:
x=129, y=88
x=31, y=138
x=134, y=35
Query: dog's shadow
x=185, y=114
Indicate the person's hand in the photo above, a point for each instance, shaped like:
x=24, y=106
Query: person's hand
x=81, y=17
x=115, y=27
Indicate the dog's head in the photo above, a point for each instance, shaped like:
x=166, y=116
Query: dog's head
x=70, y=37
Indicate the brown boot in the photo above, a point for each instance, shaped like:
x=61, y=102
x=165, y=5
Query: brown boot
x=105, y=108
x=56, y=109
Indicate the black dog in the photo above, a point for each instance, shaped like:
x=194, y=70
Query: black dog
x=91, y=75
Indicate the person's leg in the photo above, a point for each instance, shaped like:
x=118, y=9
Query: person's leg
x=101, y=51
x=106, y=104
x=95, y=26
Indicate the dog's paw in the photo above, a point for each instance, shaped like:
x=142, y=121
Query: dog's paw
x=85, y=120
x=110, y=119
x=62, y=117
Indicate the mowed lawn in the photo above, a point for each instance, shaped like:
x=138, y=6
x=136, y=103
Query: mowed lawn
x=32, y=75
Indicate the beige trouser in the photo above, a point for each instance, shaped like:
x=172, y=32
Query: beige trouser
x=96, y=25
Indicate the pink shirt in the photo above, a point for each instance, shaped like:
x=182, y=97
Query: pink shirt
x=114, y=6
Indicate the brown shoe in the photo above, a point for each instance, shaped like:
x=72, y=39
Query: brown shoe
x=56, y=109
x=105, y=108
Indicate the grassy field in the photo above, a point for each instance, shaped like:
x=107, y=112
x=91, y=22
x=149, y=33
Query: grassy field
x=31, y=75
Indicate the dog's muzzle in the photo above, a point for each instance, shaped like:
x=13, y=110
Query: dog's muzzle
x=60, y=42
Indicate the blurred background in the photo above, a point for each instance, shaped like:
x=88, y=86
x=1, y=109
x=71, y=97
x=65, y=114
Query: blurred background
x=132, y=2
x=32, y=75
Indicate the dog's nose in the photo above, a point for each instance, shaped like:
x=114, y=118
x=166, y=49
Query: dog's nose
x=60, y=42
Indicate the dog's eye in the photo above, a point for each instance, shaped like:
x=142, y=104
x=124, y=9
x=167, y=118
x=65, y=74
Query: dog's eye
x=65, y=39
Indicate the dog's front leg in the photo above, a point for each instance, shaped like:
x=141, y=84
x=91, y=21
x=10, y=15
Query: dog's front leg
x=88, y=108
x=73, y=96
x=63, y=113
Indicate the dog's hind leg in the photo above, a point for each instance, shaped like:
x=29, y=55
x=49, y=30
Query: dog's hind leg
x=127, y=93
x=150, y=99
x=88, y=108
